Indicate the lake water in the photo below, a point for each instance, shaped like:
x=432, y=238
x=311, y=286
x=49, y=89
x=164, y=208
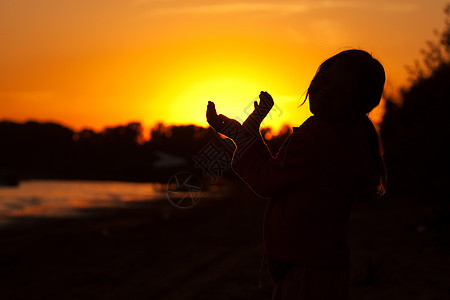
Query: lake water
x=56, y=198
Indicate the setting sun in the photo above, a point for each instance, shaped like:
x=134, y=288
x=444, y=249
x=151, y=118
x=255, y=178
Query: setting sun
x=229, y=72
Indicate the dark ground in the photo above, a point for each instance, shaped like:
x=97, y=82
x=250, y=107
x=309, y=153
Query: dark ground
x=152, y=250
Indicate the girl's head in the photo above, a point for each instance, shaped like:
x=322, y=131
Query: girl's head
x=347, y=85
x=346, y=88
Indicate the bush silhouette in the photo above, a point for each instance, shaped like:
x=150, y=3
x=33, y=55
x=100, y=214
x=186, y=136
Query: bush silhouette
x=415, y=132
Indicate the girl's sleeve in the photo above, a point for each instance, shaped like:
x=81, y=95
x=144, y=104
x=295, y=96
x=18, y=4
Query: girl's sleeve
x=269, y=176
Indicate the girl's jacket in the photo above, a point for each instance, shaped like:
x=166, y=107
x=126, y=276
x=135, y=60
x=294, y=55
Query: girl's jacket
x=319, y=170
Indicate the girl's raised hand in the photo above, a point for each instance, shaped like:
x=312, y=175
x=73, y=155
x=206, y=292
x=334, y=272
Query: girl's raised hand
x=220, y=123
x=212, y=117
x=261, y=110
x=265, y=104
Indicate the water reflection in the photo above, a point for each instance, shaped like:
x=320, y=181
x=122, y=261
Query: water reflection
x=62, y=198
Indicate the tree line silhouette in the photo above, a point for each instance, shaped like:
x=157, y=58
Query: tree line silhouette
x=415, y=128
x=52, y=151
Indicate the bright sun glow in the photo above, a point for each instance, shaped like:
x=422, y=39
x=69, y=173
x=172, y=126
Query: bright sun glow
x=231, y=73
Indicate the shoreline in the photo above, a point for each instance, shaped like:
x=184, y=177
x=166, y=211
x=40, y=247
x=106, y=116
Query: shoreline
x=153, y=250
x=145, y=250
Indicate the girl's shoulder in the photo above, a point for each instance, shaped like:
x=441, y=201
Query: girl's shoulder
x=308, y=123
x=307, y=127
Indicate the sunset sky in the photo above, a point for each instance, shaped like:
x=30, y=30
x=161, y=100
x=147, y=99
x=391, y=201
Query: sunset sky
x=102, y=63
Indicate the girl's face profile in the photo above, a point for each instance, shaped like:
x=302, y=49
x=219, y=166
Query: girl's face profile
x=332, y=92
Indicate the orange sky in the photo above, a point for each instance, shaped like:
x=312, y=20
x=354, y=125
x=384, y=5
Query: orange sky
x=102, y=63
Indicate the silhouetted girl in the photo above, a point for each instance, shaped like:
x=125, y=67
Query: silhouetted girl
x=332, y=159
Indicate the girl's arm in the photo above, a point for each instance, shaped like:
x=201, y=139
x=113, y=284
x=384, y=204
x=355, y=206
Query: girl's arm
x=252, y=161
x=270, y=176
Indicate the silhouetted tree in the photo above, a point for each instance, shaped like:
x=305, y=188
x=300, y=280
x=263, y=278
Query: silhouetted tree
x=129, y=135
x=184, y=141
x=34, y=146
x=415, y=132
x=435, y=55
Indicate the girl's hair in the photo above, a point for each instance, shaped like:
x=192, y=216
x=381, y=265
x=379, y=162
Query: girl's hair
x=370, y=78
x=377, y=153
